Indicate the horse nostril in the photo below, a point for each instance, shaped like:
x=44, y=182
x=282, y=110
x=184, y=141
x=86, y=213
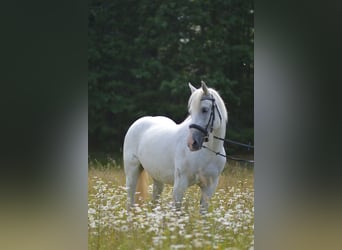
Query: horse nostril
x=195, y=144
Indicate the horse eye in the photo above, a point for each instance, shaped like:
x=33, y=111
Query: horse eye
x=204, y=110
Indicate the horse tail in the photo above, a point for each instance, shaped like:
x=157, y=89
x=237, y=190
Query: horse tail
x=142, y=186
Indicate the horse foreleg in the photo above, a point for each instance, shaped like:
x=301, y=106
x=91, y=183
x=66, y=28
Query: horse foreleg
x=181, y=184
x=207, y=192
x=157, y=190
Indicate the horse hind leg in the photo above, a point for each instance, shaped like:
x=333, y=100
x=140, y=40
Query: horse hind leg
x=133, y=171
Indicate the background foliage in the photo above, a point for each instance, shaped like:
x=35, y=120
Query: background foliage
x=143, y=53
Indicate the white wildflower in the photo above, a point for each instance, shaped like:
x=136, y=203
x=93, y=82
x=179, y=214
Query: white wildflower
x=179, y=246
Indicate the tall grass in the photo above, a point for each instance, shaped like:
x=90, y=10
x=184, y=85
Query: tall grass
x=229, y=224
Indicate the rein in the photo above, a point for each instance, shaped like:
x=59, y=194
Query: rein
x=206, y=133
x=249, y=146
x=229, y=156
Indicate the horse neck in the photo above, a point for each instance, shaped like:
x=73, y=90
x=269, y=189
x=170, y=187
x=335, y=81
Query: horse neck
x=215, y=144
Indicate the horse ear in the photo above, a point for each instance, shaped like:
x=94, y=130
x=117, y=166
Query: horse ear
x=205, y=88
x=192, y=88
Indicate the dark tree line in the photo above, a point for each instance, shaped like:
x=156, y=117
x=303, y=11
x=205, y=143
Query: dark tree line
x=143, y=53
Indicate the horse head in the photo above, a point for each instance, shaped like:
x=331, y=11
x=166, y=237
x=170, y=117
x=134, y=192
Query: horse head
x=207, y=113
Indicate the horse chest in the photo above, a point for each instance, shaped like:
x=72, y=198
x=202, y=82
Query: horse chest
x=202, y=174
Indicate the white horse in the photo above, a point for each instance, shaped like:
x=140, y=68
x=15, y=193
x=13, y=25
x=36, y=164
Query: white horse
x=178, y=154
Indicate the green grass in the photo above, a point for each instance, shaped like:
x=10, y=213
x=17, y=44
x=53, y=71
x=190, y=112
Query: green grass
x=228, y=225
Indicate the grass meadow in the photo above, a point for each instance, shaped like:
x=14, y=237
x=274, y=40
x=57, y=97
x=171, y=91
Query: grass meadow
x=229, y=224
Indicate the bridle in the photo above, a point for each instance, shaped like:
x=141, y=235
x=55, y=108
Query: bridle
x=210, y=124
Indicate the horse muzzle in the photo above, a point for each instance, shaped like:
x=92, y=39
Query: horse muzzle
x=195, y=140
